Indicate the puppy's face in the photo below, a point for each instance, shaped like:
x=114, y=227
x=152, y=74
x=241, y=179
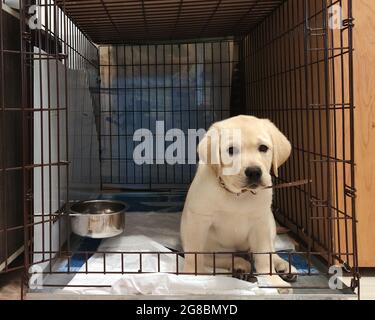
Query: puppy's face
x=242, y=151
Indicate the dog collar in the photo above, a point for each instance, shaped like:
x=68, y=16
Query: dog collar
x=223, y=185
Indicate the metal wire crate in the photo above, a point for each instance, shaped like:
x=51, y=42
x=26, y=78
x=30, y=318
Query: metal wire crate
x=69, y=109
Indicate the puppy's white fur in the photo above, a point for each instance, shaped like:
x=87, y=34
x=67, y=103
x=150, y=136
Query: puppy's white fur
x=217, y=220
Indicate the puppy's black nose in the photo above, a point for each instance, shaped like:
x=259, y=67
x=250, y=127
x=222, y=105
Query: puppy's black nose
x=253, y=174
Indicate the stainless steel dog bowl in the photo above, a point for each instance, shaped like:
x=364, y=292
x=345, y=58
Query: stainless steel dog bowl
x=98, y=219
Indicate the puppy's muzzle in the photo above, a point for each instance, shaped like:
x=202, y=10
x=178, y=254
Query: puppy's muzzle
x=254, y=176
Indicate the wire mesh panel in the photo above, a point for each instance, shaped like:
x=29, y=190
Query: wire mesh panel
x=118, y=21
x=49, y=93
x=11, y=142
x=65, y=159
x=298, y=73
x=161, y=87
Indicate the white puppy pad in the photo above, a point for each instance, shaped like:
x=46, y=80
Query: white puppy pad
x=153, y=283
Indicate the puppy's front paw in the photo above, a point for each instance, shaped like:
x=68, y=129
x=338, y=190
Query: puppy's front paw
x=285, y=290
x=241, y=265
x=241, y=269
x=282, y=266
x=282, y=286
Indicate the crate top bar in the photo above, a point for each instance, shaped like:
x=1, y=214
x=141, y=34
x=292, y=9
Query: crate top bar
x=116, y=21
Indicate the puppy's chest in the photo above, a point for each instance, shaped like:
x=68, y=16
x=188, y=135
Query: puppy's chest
x=241, y=208
x=233, y=231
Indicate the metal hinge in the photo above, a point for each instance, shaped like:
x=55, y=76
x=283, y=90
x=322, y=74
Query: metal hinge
x=348, y=22
x=27, y=36
x=354, y=284
x=29, y=196
x=351, y=192
x=319, y=203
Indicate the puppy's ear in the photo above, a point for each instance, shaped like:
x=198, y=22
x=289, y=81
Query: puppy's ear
x=281, y=146
x=209, y=148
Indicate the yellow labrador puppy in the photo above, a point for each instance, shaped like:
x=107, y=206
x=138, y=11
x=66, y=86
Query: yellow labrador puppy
x=228, y=207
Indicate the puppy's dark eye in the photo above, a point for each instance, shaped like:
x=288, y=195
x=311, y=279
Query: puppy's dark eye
x=233, y=151
x=263, y=148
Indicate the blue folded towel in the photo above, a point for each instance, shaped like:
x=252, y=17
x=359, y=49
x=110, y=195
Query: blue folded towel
x=78, y=260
